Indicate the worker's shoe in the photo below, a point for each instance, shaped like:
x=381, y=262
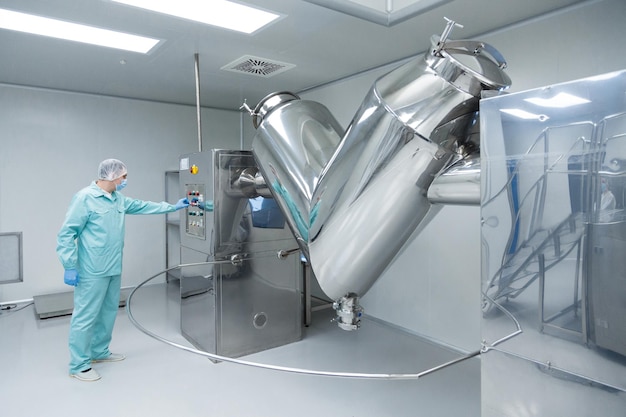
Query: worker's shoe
x=88, y=375
x=113, y=357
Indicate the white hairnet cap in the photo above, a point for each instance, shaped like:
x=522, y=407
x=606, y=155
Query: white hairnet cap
x=111, y=169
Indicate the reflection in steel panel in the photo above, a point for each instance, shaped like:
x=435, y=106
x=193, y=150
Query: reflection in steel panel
x=553, y=244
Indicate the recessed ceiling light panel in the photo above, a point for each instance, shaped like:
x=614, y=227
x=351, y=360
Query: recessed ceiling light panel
x=222, y=13
x=382, y=12
x=60, y=29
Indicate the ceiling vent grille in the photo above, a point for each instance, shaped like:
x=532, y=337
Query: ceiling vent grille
x=260, y=67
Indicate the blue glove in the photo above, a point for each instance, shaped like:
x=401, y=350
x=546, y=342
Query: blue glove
x=71, y=277
x=207, y=206
x=182, y=203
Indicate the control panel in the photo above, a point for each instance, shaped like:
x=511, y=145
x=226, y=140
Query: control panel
x=195, y=221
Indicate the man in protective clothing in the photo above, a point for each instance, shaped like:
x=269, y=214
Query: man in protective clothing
x=90, y=245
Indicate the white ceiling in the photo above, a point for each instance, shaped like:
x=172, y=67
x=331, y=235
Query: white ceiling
x=323, y=45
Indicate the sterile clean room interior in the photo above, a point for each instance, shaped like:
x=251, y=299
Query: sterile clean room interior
x=504, y=301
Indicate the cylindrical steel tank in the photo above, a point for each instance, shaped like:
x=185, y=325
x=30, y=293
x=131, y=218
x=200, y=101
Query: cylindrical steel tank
x=295, y=140
x=354, y=201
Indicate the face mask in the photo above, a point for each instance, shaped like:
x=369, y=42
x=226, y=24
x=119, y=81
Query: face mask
x=120, y=186
x=603, y=187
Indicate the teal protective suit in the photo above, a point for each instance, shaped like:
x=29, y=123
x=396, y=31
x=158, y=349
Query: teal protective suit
x=91, y=241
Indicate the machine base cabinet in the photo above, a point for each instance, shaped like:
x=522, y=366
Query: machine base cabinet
x=249, y=300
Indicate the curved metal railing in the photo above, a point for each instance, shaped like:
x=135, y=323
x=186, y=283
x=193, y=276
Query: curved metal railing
x=354, y=375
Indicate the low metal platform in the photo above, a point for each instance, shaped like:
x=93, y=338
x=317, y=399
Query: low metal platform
x=62, y=304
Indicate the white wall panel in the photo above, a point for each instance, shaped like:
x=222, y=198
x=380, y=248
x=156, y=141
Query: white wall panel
x=51, y=143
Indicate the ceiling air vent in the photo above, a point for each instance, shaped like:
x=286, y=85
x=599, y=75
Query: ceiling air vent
x=260, y=67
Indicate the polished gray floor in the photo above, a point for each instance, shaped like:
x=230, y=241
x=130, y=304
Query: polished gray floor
x=157, y=379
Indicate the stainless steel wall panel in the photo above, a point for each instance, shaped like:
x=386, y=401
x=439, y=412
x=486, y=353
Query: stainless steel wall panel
x=552, y=271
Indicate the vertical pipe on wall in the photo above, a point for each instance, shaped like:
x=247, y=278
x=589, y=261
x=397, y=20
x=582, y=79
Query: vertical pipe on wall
x=197, y=67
